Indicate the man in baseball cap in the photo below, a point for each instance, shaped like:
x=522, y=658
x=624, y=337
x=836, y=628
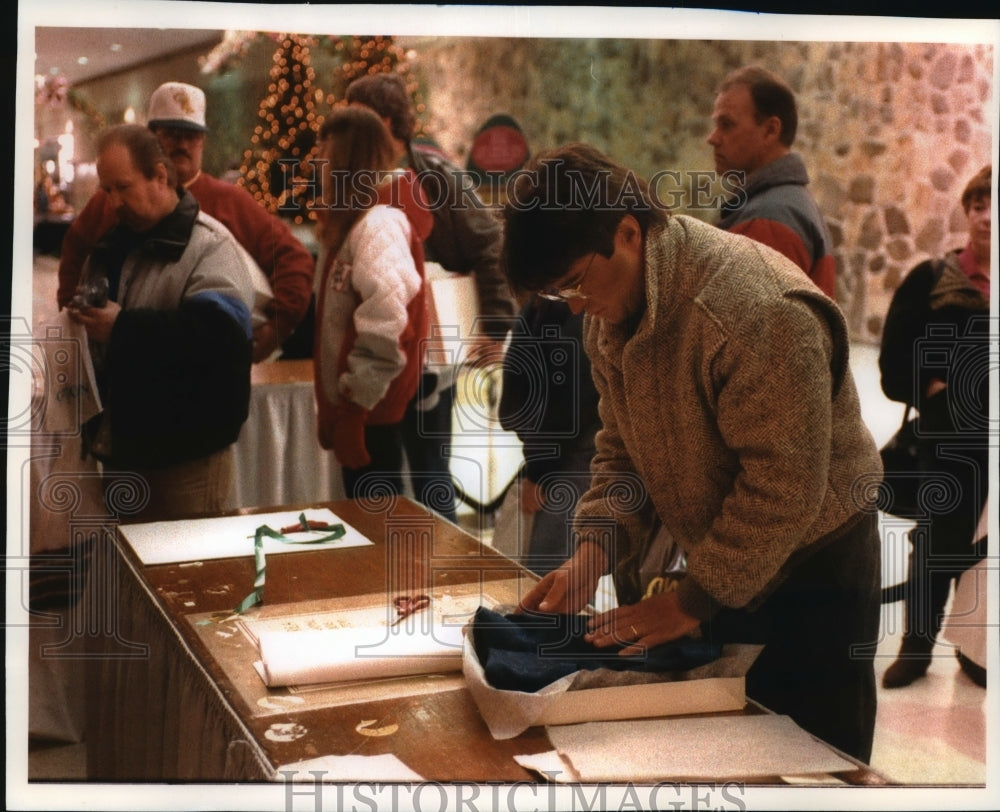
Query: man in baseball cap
x=175, y=104
x=176, y=114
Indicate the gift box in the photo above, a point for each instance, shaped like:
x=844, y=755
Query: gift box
x=601, y=694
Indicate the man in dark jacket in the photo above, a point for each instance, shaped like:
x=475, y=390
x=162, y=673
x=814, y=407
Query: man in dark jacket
x=755, y=121
x=172, y=342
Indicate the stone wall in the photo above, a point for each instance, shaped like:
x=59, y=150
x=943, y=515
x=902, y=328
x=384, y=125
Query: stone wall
x=890, y=132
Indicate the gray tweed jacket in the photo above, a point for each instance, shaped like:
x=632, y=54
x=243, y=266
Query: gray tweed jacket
x=730, y=413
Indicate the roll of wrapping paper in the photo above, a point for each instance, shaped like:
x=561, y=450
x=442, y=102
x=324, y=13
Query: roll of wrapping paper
x=312, y=656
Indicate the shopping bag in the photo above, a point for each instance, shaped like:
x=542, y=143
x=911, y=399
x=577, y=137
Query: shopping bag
x=904, y=459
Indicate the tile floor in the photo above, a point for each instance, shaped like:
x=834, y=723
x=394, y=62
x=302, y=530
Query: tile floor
x=930, y=733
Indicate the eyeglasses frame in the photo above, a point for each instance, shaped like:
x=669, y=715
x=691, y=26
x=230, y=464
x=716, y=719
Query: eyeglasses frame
x=574, y=292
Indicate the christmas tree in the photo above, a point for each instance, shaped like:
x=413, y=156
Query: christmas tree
x=277, y=169
x=362, y=55
x=283, y=141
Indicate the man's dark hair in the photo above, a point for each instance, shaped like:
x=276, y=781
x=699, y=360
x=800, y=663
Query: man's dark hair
x=771, y=96
x=142, y=145
x=567, y=203
x=979, y=187
x=387, y=95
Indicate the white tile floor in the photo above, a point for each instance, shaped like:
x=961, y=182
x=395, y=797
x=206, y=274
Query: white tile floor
x=930, y=733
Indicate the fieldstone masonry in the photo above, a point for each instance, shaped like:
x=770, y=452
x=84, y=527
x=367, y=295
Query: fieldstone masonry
x=890, y=132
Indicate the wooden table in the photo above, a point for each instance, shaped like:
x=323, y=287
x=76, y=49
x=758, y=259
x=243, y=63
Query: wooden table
x=163, y=707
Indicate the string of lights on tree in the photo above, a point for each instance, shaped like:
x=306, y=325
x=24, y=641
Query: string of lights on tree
x=286, y=131
x=276, y=168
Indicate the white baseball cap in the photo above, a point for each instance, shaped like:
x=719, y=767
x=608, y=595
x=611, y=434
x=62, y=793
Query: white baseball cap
x=175, y=104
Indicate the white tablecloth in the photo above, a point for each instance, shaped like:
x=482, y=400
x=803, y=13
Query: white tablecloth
x=278, y=459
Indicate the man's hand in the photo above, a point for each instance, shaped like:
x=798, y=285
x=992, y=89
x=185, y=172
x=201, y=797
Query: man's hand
x=265, y=342
x=571, y=587
x=650, y=622
x=97, y=321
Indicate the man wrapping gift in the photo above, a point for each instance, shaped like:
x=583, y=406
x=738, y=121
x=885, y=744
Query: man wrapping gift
x=725, y=391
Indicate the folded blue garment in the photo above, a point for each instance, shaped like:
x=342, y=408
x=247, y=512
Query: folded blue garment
x=526, y=652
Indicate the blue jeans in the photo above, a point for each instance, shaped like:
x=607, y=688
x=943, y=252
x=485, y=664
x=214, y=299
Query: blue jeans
x=426, y=437
x=384, y=474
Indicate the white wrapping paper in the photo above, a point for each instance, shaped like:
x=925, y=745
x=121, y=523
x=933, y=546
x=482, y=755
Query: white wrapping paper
x=314, y=656
x=713, y=748
x=230, y=536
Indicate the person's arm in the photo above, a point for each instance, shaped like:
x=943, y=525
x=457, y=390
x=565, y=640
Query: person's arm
x=774, y=403
x=290, y=269
x=615, y=489
x=95, y=220
x=778, y=236
x=287, y=264
x=790, y=223
x=905, y=323
x=386, y=279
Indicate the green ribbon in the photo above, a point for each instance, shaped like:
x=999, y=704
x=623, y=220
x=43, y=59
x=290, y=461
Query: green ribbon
x=331, y=532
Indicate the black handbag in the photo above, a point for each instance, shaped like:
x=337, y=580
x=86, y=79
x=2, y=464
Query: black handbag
x=903, y=463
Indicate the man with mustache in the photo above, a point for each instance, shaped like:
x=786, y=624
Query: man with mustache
x=171, y=341
x=177, y=116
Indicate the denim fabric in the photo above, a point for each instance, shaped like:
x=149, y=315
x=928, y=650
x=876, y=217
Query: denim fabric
x=521, y=652
x=426, y=438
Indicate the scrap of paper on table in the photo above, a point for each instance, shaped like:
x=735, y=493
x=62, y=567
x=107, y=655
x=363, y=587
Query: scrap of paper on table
x=313, y=656
x=231, y=536
x=706, y=748
x=353, y=768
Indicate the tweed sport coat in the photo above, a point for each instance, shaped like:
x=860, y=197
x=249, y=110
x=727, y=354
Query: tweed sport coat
x=729, y=411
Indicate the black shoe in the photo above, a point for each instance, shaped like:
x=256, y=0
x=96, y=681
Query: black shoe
x=906, y=669
x=972, y=670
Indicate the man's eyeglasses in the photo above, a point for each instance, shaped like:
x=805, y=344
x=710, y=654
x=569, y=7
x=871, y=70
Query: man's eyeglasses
x=179, y=134
x=572, y=292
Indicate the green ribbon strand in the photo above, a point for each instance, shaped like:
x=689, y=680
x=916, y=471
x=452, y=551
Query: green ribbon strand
x=330, y=532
